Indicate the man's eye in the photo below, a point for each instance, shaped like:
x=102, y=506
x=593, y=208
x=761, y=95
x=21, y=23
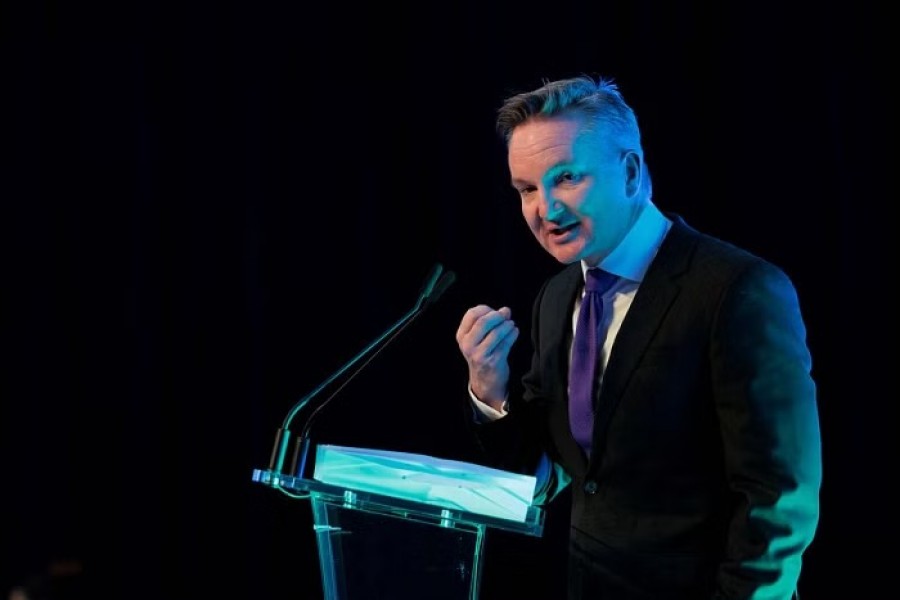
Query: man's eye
x=566, y=177
x=526, y=190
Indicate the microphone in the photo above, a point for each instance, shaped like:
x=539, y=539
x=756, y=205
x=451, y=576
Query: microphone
x=437, y=282
x=430, y=282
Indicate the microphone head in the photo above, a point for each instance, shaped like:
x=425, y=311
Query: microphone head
x=430, y=283
x=441, y=286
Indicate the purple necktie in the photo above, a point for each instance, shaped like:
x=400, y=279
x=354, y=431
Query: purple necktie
x=585, y=356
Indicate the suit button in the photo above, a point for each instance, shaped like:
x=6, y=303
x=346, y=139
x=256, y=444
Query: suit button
x=590, y=487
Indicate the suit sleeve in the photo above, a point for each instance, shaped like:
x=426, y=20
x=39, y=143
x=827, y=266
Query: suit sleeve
x=766, y=404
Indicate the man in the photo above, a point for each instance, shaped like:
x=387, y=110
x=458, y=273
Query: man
x=696, y=461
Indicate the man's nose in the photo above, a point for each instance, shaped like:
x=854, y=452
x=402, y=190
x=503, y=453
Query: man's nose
x=551, y=209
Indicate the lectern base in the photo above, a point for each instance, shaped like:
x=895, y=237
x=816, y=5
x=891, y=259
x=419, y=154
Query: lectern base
x=367, y=556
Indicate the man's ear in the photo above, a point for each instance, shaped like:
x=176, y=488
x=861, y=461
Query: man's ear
x=633, y=173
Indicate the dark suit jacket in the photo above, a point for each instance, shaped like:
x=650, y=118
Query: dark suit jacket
x=705, y=474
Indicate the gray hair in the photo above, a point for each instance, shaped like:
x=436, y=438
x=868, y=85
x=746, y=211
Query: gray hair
x=600, y=99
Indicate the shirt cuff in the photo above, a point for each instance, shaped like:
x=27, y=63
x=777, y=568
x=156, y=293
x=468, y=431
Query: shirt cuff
x=484, y=412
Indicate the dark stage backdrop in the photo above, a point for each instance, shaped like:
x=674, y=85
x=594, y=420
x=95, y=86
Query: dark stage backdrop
x=209, y=207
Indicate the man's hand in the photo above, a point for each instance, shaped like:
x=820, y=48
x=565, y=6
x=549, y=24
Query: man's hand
x=485, y=337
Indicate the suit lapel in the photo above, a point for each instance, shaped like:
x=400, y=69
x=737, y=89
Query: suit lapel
x=556, y=338
x=648, y=309
x=559, y=329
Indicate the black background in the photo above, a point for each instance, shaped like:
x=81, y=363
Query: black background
x=209, y=207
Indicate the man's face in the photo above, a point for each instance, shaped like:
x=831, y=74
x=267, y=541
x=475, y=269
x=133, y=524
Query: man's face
x=577, y=187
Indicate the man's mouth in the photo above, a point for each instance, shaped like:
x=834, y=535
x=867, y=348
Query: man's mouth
x=564, y=229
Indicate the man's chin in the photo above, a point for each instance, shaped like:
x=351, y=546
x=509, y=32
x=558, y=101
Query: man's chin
x=564, y=253
x=565, y=258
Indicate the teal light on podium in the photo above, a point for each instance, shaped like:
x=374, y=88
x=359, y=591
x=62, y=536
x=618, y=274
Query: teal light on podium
x=451, y=484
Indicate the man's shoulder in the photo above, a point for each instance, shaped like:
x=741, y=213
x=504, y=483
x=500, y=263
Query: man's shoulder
x=718, y=258
x=564, y=278
x=559, y=287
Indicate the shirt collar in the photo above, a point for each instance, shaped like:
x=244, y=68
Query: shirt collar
x=632, y=257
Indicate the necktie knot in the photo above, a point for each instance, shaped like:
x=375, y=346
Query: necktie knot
x=598, y=280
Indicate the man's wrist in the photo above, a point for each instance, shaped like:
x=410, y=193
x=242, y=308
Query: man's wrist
x=489, y=410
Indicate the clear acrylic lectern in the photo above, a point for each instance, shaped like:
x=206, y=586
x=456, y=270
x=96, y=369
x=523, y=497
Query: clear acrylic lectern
x=398, y=526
